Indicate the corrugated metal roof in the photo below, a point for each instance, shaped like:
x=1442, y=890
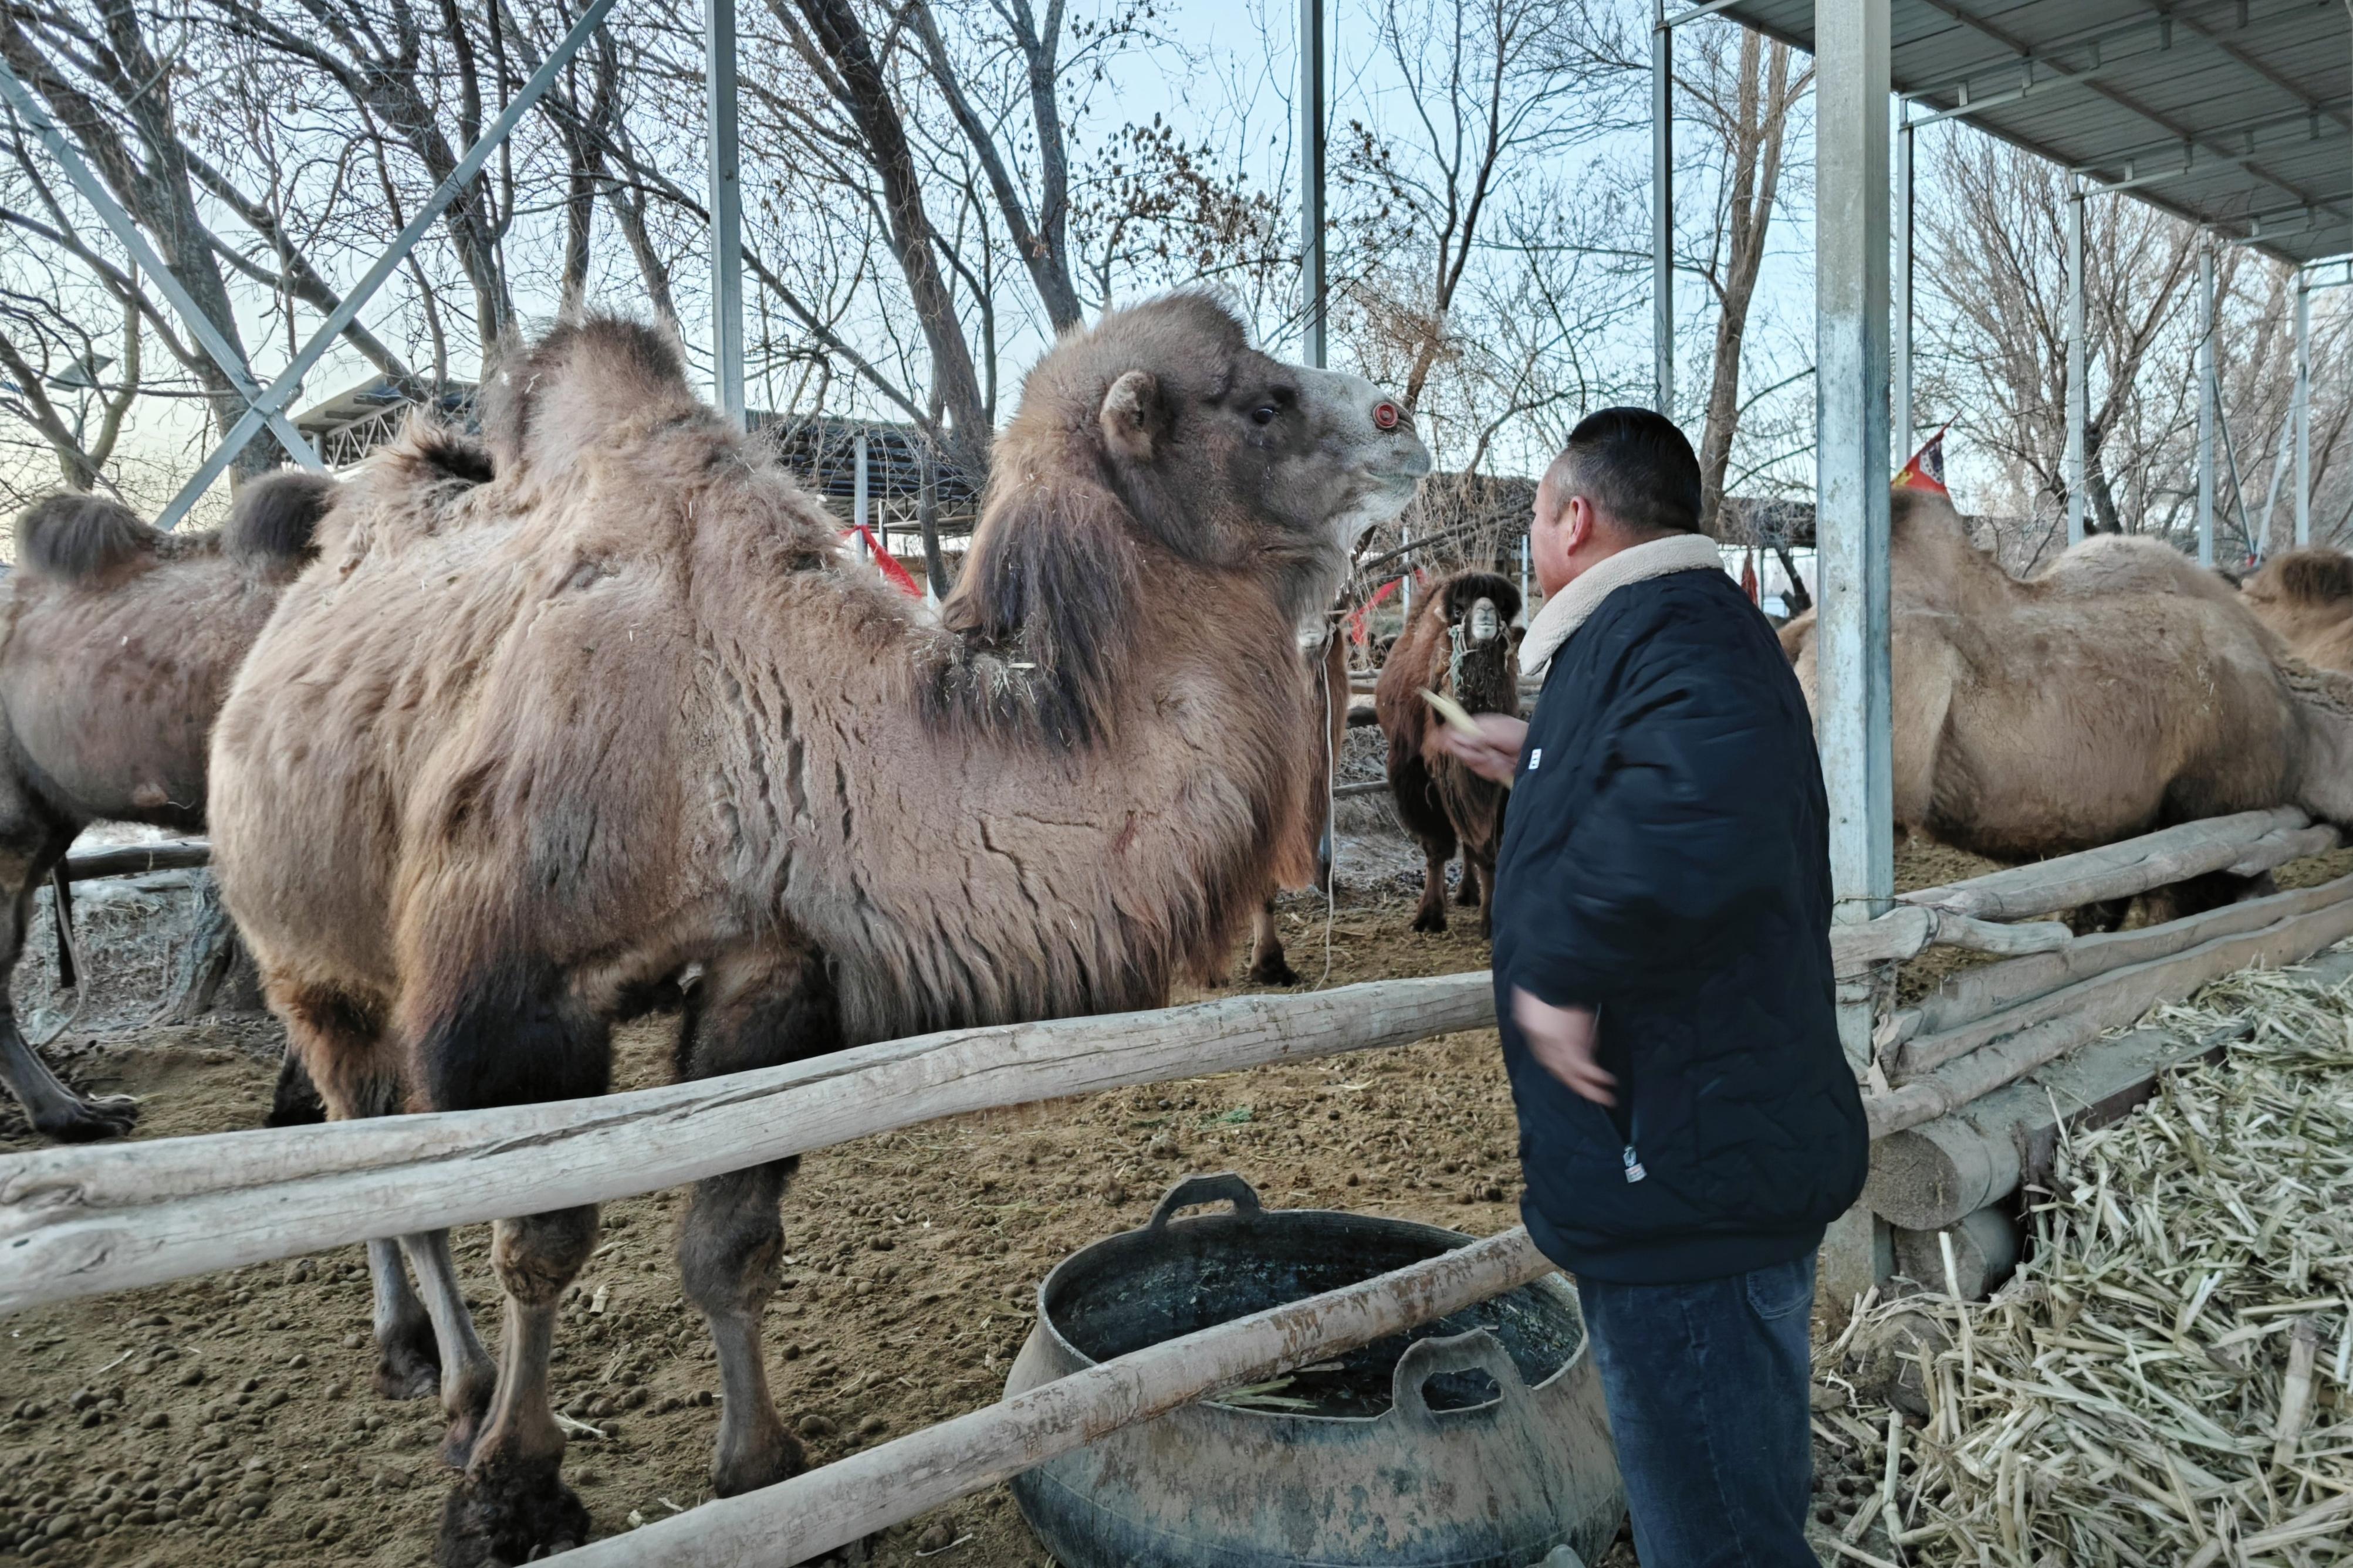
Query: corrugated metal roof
x=2236, y=113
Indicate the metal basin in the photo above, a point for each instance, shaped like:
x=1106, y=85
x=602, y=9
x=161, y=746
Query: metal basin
x=1478, y=1441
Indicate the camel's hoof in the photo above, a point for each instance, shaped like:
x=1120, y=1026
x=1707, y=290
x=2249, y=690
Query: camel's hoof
x=1430, y=919
x=775, y=1458
x=509, y=1511
x=409, y=1361
x=1467, y=895
x=88, y=1121
x=465, y=1429
x=1272, y=972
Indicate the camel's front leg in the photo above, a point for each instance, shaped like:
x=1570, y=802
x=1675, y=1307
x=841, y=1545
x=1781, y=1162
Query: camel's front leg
x=512, y=1501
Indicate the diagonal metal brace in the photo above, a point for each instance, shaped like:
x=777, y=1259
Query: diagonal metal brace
x=93, y=190
x=267, y=407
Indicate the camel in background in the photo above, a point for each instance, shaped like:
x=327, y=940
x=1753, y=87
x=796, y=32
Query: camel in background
x=1462, y=644
x=2306, y=598
x=515, y=749
x=2110, y=696
x=119, y=645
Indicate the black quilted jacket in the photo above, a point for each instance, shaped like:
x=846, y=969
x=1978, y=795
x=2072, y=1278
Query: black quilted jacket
x=1666, y=861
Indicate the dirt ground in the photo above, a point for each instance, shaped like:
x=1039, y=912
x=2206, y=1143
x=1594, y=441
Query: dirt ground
x=227, y=1422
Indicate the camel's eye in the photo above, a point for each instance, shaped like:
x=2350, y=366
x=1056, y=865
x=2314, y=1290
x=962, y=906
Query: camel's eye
x=1263, y=414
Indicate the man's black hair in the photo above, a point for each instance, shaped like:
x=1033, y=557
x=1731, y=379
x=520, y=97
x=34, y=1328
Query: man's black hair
x=1633, y=465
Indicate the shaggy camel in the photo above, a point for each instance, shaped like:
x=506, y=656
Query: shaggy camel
x=1462, y=644
x=2306, y=596
x=118, y=645
x=513, y=751
x=1325, y=670
x=2174, y=703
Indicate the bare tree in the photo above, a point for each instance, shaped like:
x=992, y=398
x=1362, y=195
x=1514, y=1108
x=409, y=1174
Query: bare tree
x=1751, y=126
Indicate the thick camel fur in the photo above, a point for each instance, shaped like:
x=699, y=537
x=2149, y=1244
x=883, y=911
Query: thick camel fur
x=1306, y=860
x=514, y=751
x=2306, y=596
x=1462, y=644
x=117, y=643
x=2105, y=698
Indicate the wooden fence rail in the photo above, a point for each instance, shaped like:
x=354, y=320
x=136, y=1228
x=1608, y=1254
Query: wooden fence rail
x=77, y=1221
x=138, y=859
x=824, y=1509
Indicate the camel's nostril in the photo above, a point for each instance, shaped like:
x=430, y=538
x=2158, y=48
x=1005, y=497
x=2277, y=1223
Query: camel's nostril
x=1386, y=415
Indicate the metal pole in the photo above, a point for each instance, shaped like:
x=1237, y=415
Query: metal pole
x=1311, y=178
x=1524, y=611
x=1900, y=353
x=273, y=396
x=858, y=495
x=2300, y=408
x=726, y=209
x=2205, y=405
x=1662, y=210
x=2079, y=390
x=1851, y=403
x=1850, y=234
x=200, y=326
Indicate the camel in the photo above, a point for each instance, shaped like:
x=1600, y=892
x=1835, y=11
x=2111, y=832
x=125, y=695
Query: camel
x=117, y=647
x=1461, y=643
x=2121, y=690
x=513, y=751
x=1307, y=860
x=2306, y=596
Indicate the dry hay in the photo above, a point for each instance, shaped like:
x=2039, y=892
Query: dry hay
x=2166, y=1380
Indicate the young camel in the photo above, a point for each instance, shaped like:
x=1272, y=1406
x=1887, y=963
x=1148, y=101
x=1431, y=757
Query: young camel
x=2306, y=596
x=2105, y=698
x=117, y=643
x=513, y=751
x=1462, y=644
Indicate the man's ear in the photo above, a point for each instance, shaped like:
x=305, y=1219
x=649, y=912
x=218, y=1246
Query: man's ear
x=1133, y=417
x=1576, y=523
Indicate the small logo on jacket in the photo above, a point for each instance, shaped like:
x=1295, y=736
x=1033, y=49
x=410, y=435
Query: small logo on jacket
x=1536, y=759
x=1634, y=1171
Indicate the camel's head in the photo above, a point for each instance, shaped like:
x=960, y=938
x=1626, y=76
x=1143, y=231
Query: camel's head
x=1470, y=643
x=1216, y=452
x=2303, y=579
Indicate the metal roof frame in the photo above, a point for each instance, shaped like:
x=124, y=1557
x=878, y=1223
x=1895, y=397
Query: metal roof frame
x=2242, y=104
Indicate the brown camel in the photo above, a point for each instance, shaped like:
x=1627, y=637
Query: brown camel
x=2306, y=596
x=2100, y=699
x=513, y=751
x=1462, y=644
x=117, y=643
x=1307, y=859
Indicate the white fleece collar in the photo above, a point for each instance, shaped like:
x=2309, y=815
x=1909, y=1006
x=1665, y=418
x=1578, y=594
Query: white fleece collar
x=1573, y=605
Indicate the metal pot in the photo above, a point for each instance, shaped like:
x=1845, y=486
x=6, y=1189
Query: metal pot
x=1489, y=1447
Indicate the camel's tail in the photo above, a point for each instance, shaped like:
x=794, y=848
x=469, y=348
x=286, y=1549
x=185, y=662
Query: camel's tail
x=276, y=518
x=70, y=537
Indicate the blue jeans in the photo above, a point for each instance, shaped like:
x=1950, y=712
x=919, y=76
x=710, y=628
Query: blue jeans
x=1708, y=1385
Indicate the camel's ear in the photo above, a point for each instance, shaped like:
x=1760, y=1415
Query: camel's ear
x=1133, y=417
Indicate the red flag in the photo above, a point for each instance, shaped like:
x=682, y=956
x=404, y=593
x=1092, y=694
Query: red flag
x=1748, y=576
x=1926, y=472
x=1358, y=627
x=887, y=562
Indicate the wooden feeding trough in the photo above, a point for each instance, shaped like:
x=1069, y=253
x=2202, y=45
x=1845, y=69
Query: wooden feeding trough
x=1477, y=1441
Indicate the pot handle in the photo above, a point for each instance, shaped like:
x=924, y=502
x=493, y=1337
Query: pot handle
x=1434, y=1357
x=1206, y=1190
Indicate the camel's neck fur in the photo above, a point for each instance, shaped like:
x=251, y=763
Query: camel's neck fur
x=1934, y=561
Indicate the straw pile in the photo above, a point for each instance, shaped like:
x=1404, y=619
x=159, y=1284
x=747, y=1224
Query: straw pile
x=2165, y=1381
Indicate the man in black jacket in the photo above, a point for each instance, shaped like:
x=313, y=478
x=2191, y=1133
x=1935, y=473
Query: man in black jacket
x=1688, y=1124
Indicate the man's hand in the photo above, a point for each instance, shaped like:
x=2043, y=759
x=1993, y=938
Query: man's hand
x=1562, y=1040
x=1496, y=750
